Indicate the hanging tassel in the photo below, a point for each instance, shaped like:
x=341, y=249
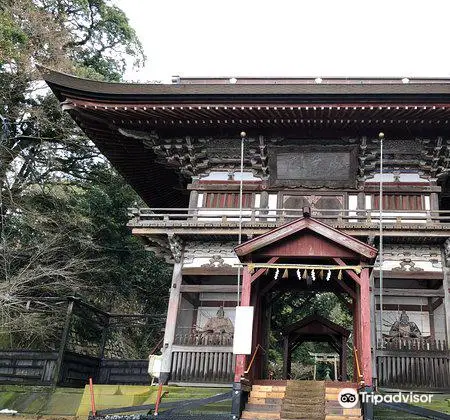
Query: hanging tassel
x=313, y=275
x=299, y=276
x=328, y=275
x=321, y=274
x=285, y=274
x=340, y=275
x=305, y=274
x=277, y=273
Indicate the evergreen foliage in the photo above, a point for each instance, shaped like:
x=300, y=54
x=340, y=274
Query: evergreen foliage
x=63, y=208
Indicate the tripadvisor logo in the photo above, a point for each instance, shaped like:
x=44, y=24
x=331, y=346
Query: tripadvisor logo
x=348, y=397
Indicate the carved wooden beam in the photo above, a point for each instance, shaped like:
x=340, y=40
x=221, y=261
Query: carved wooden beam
x=351, y=273
x=261, y=271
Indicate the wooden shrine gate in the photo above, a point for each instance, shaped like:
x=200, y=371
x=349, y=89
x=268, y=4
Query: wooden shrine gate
x=305, y=245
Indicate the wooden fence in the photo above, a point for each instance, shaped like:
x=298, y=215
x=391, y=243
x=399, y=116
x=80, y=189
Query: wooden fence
x=414, y=369
x=200, y=365
x=415, y=344
x=124, y=371
x=24, y=367
x=204, y=339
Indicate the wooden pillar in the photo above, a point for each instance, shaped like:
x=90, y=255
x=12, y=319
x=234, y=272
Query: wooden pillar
x=171, y=322
x=365, y=332
x=104, y=339
x=63, y=344
x=343, y=356
x=315, y=368
x=286, y=357
x=265, y=333
x=241, y=359
x=257, y=326
x=373, y=325
x=193, y=200
x=356, y=341
x=431, y=318
x=446, y=287
x=335, y=368
x=361, y=205
x=445, y=255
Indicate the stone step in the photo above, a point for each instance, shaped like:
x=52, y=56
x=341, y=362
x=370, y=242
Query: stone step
x=337, y=417
x=263, y=407
x=337, y=389
x=311, y=395
x=336, y=404
x=257, y=400
x=313, y=385
x=300, y=407
x=303, y=410
x=341, y=411
x=331, y=397
x=303, y=404
x=247, y=414
x=266, y=394
x=308, y=400
x=303, y=416
x=268, y=388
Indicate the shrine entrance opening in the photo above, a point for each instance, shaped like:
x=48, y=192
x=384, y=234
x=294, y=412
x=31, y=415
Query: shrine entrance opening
x=317, y=329
x=310, y=257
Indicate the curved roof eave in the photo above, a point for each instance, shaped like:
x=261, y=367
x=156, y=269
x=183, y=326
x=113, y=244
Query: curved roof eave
x=64, y=85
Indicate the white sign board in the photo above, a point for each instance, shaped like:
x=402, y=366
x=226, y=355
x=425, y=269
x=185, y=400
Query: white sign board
x=154, y=365
x=243, y=330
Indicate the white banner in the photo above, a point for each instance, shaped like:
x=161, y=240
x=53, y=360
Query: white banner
x=243, y=330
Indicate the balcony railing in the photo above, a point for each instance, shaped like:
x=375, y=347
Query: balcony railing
x=254, y=216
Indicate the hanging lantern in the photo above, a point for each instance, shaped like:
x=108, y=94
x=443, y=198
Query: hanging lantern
x=285, y=274
x=339, y=275
x=328, y=275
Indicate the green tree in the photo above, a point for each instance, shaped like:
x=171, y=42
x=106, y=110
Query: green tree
x=86, y=37
x=63, y=208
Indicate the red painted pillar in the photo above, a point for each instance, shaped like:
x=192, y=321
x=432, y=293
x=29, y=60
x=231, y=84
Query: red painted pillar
x=255, y=301
x=365, y=330
x=356, y=336
x=241, y=359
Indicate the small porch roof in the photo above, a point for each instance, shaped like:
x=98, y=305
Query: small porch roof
x=306, y=237
x=316, y=325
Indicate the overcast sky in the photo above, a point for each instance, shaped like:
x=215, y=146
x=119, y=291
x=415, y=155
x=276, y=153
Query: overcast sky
x=291, y=37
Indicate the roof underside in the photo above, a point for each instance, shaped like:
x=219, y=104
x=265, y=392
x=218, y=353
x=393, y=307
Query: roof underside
x=202, y=107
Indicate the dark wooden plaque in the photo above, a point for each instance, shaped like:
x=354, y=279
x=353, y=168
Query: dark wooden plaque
x=313, y=166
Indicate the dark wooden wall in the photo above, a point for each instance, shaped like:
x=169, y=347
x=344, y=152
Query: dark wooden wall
x=23, y=367
x=120, y=371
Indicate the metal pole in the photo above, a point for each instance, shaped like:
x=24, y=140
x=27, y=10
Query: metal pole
x=380, y=248
x=241, y=186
